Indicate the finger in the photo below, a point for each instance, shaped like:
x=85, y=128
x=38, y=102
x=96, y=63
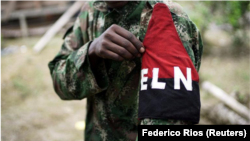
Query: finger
x=130, y=37
x=111, y=55
x=123, y=42
x=120, y=51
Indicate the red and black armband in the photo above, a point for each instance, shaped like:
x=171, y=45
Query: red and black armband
x=169, y=87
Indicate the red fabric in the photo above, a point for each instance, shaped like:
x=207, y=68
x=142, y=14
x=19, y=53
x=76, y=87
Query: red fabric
x=164, y=49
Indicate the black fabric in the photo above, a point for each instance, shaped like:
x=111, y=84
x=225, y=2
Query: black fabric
x=170, y=103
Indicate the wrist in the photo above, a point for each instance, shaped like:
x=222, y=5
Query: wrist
x=91, y=49
x=93, y=58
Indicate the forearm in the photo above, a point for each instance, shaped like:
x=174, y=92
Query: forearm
x=93, y=58
x=73, y=77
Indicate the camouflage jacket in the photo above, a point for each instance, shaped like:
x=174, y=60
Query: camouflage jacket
x=112, y=90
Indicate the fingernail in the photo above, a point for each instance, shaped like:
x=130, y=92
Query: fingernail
x=142, y=49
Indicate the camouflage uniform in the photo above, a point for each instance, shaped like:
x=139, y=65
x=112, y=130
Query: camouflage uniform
x=112, y=90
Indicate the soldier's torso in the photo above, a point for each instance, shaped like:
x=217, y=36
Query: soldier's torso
x=112, y=114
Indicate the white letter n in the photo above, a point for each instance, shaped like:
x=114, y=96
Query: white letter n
x=178, y=76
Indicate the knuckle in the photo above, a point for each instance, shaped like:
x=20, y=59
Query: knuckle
x=135, y=52
x=130, y=56
x=129, y=46
x=101, y=51
x=104, y=43
x=113, y=26
x=107, y=35
x=122, y=52
x=139, y=44
x=126, y=44
x=125, y=54
x=130, y=36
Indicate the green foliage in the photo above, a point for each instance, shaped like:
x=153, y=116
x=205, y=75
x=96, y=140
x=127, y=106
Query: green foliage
x=228, y=11
x=229, y=14
x=198, y=17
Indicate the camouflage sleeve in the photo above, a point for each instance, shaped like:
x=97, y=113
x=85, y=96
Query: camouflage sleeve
x=191, y=39
x=71, y=70
x=199, y=48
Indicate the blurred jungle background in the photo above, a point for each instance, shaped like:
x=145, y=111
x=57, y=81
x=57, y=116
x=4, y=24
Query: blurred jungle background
x=30, y=109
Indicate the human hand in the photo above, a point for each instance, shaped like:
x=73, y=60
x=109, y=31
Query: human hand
x=116, y=43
